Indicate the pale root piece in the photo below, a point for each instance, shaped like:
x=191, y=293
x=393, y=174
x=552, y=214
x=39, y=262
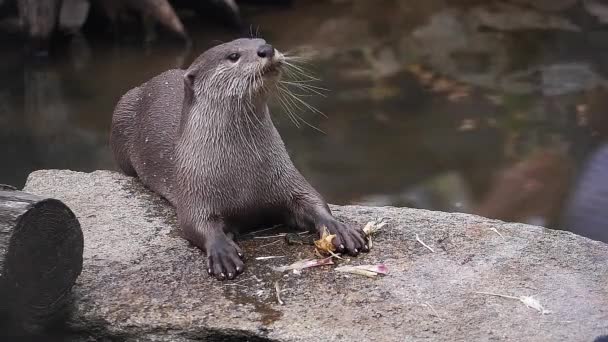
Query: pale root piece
x=371, y=228
x=527, y=300
x=424, y=244
x=497, y=232
x=365, y=270
x=325, y=244
x=534, y=304
x=307, y=263
x=278, y=291
x=270, y=236
x=432, y=309
x=270, y=257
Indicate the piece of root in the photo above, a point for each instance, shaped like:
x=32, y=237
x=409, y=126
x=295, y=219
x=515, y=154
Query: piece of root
x=306, y=263
x=364, y=270
x=278, y=291
x=372, y=228
x=325, y=246
x=270, y=236
x=269, y=257
x=497, y=232
x=424, y=244
x=432, y=309
x=527, y=300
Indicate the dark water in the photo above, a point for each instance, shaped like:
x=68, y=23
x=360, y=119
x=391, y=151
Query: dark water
x=472, y=108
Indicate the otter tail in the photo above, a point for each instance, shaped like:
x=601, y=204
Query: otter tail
x=121, y=134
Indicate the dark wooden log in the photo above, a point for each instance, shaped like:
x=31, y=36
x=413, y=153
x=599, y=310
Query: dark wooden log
x=41, y=246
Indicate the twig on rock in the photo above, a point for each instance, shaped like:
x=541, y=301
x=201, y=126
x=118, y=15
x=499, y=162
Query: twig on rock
x=270, y=257
x=527, y=300
x=268, y=244
x=427, y=304
x=424, y=244
x=497, y=232
x=270, y=236
x=278, y=291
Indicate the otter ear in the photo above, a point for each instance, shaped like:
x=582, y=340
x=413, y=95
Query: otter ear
x=189, y=79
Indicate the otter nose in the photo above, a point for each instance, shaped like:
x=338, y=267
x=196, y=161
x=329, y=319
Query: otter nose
x=266, y=50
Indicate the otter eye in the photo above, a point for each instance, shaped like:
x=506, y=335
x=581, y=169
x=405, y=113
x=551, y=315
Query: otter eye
x=233, y=57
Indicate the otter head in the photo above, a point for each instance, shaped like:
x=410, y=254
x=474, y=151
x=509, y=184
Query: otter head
x=243, y=69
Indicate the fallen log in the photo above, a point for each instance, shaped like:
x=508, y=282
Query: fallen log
x=41, y=246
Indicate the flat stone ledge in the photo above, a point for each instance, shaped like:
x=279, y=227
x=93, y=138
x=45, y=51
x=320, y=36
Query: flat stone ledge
x=142, y=281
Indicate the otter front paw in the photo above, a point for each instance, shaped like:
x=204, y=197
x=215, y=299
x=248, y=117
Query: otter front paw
x=224, y=258
x=348, y=240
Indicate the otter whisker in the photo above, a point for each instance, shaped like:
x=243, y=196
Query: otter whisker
x=251, y=134
x=244, y=139
x=299, y=81
x=288, y=109
x=297, y=59
x=313, y=89
x=296, y=79
x=295, y=76
x=300, y=70
x=289, y=98
x=305, y=104
x=302, y=53
x=288, y=112
x=299, y=84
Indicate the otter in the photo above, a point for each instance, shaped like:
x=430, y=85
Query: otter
x=204, y=140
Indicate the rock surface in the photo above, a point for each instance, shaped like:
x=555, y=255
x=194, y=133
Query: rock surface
x=142, y=281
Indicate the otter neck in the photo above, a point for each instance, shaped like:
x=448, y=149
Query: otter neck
x=207, y=119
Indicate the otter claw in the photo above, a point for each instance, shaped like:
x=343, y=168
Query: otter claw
x=348, y=240
x=224, y=261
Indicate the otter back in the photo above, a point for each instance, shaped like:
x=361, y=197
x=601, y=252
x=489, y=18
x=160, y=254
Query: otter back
x=144, y=130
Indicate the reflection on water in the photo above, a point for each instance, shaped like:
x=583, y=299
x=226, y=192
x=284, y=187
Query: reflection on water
x=480, y=108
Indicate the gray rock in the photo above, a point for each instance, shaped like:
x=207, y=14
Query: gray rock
x=547, y=5
x=142, y=281
x=501, y=16
x=598, y=9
